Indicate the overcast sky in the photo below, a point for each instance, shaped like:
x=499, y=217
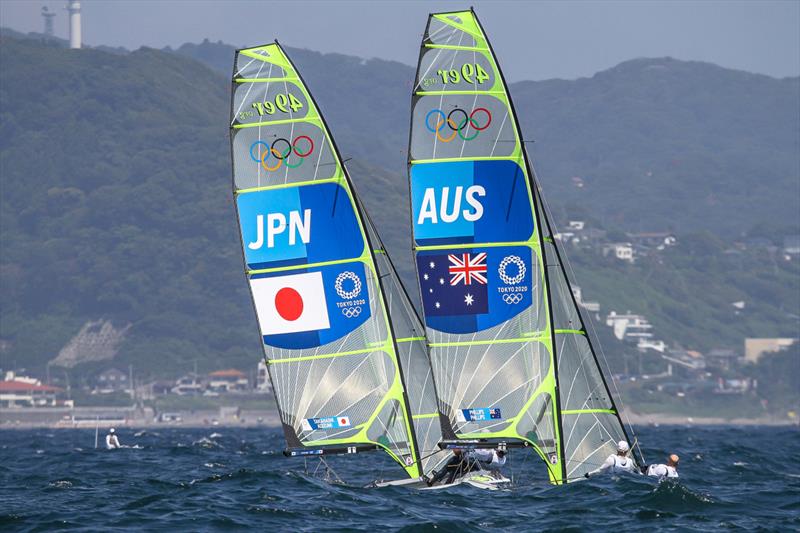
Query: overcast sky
x=534, y=40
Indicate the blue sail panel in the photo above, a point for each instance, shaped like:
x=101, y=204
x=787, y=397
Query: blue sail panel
x=298, y=225
x=472, y=289
x=470, y=201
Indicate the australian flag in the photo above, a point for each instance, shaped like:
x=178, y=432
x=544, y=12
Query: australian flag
x=453, y=284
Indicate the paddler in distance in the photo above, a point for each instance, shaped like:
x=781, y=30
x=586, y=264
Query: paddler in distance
x=112, y=442
x=618, y=462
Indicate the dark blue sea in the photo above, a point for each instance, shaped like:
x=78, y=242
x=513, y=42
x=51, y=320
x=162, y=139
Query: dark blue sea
x=233, y=478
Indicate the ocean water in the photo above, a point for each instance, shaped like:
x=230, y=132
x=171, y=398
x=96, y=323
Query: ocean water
x=233, y=478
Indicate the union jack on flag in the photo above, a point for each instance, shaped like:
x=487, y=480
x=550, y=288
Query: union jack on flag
x=466, y=268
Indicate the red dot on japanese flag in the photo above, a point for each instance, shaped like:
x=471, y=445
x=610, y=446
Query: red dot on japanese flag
x=289, y=303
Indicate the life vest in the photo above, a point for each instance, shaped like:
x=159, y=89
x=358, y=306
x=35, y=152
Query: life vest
x=623, y=464
x=662, y=471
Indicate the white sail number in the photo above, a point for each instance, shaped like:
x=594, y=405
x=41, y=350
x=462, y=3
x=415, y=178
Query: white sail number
x=276, y=224
x=428, y=210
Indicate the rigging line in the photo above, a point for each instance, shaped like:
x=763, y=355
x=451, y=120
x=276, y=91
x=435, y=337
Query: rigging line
x=319, y=157
x=246, y=94
x=497, y=372
x=444, y=26
x=503, y=397
x=239, y=72
x=499, y=132
x=336, y=390
x=621, y=412
x=474, y=101
x=485, y=353
x=572, y=384
x=309, y=400
x=581, y=441
x=291, y=131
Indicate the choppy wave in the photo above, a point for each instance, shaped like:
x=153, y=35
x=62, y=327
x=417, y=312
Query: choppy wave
x=186, y=479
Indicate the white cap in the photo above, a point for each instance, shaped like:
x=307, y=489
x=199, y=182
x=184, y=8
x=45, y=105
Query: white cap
x=622, y=446
x=111, y=430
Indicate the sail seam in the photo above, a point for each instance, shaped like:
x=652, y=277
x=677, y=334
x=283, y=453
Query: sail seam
x=445, y=93
x=467, y=158
x=475, y=245
x=305, y=265
x=323, y=356
x=585, y=411
x=277, y=122
x=457, y=47
x=287, y=185
x=268, y=80
x=537, y=337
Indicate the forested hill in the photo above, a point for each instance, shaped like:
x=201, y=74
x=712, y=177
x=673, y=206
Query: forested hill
x=658, y=144
x=115, y=197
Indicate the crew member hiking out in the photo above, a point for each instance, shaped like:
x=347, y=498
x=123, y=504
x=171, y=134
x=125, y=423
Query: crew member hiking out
x=668, y=470
x=617, y=463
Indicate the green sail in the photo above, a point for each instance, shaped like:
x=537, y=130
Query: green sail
x=340, y=340
x=510, y=355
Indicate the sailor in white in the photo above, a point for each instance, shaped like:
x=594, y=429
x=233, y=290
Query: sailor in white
x=112, y=442
x=463, y=463
x=617, y=463
x=668, y=470
x=490, y=459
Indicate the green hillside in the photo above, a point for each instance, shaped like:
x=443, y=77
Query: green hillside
x=660, y=144
x=115, y=203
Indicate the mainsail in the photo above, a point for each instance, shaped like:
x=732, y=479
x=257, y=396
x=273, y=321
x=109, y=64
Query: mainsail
x=511, y=356
x=345, y=352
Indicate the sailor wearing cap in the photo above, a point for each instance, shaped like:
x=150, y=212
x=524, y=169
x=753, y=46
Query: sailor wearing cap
x=668, y=470
x=112, y=442
x=617, y=463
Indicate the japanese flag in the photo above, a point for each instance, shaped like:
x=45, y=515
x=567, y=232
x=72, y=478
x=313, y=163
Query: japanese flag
x=344, y=421
x=290, y=304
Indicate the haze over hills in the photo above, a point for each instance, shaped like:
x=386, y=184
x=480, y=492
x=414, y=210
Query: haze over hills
x=659, y=144
x=116, y=195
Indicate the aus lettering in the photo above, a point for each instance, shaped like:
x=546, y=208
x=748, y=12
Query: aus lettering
x=276, y=224
x=449, y=211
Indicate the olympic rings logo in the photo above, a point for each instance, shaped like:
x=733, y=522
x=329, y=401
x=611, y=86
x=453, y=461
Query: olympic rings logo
x=519, y=263
x=459, y=122
x=348, y=295
x=351, y=312
x=512, y=299
x=281, y=149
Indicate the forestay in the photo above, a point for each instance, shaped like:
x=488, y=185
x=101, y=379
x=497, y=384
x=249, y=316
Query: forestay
x=511, y=358
x=340, y=340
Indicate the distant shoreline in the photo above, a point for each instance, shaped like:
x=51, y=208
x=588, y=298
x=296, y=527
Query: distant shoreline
x=90, y=417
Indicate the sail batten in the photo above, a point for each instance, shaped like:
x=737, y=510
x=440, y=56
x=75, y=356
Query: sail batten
x=329, y=320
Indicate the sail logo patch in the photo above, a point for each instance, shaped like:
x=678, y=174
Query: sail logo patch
x=469, y=290
x=290, y=304
x=466, y=268
x=478, y=414
x=297, y=225
x=309, y=309
x=327, y=422
x=459, y=296
x=470, y=201
x=512, y=271
x=350, y=307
